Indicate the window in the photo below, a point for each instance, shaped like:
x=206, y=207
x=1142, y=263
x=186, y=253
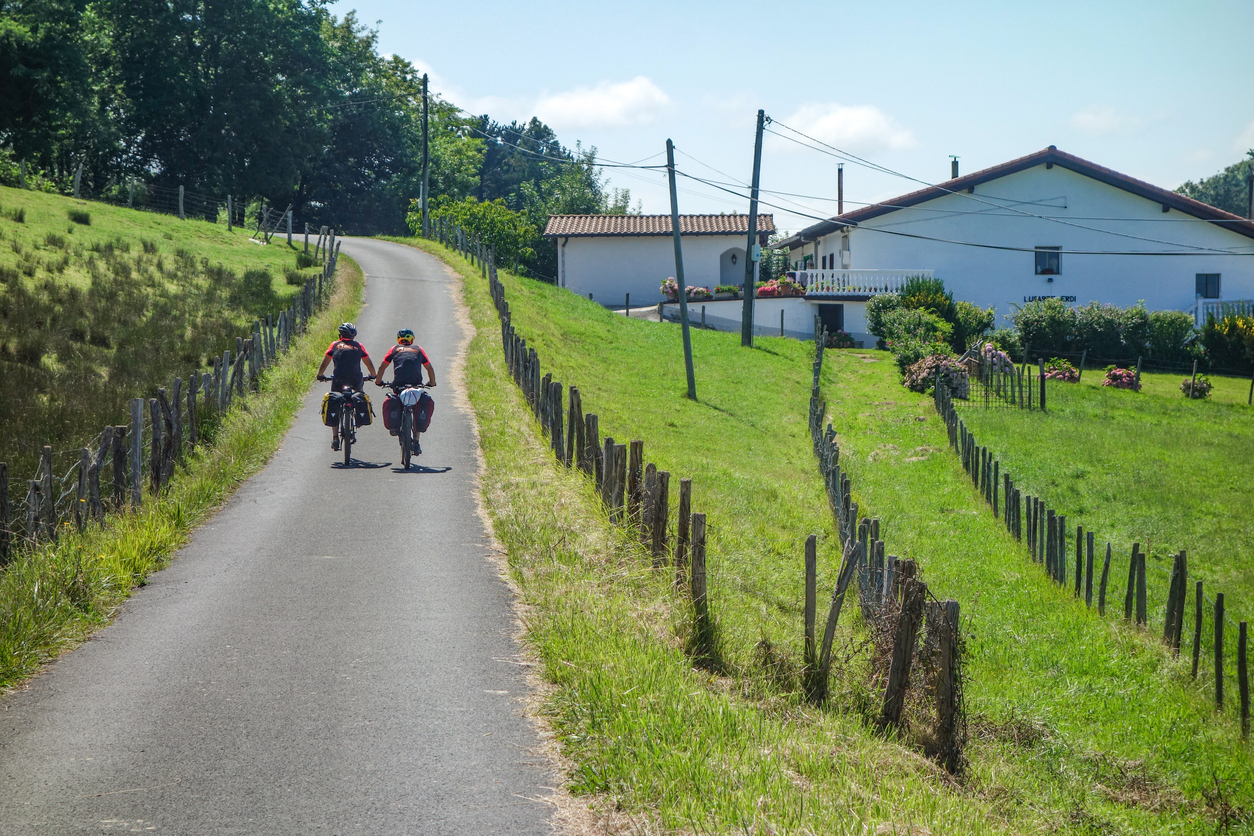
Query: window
x=1047, y=261
x=1208, y=285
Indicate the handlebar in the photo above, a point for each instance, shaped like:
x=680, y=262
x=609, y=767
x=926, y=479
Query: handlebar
x=324, y=378
x=397, y=387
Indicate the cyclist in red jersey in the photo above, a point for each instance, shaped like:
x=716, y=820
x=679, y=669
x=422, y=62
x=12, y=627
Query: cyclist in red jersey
x=347, y=354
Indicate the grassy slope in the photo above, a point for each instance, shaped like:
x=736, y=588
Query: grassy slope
x=91, y=315
x=1077, y=725
x=52, y=598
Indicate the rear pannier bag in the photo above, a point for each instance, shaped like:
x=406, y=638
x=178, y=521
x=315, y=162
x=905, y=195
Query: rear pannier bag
x=423, y=405
x=332, y=403
x=391, y=412
x=363, y=408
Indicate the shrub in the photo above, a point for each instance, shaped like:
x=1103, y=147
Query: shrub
x=921, y=375
x=929, y=295
x=839, y=339
x=1229, y=343
x=1196, y=390
x=80, y=216
x=306, y=260
x=1060, y=369
x=877, y=307
x=507, y=232
x=995, y=359
x=922, y=325
x=1007, y=340
x=1045, y=325
x=1170, y=333
x=972, y=321
x=1111, y=331
x=1118, y=378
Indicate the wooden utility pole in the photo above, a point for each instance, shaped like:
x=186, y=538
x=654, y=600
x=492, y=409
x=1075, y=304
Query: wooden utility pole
x=426, y=218
x=751, y=261
x=679, y=272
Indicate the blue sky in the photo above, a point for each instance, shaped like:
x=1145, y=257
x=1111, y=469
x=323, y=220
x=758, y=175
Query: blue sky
x=1158, y=90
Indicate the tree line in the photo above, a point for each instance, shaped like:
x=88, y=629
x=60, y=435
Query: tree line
x=279, y=100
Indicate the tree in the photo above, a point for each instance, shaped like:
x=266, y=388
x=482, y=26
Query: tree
x=1227, y=190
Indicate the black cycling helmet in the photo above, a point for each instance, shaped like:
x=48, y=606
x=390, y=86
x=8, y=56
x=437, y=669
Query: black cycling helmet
x=347, y=330
x=405, y=336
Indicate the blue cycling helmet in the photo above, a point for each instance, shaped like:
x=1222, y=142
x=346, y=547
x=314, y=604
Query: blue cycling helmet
x=347, y=330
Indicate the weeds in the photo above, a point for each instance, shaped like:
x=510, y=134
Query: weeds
x=79, y=216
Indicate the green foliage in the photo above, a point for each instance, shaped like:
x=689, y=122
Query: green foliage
x=1196, y=389
x=921, y=376
x=972, y=321
x=929, y=295
x=877, y=307
x=1045, y=325
x=1228, y=343
x=79, y=216
x=1007, y=340
x=1227, y=190
x=509, y=233
x=1170, y=335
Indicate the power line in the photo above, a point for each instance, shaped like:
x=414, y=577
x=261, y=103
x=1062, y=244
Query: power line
x=840, y=154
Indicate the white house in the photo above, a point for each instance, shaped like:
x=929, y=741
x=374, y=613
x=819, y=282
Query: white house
x=609, y=256
x=1048, y=224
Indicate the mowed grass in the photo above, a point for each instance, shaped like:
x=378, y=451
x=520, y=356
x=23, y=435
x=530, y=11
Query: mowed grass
x=1077, y=725
x=99, y=304
x=1153, y=468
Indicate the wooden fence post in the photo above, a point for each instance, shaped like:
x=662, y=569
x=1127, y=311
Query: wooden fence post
x=1197, y=628
x=33, y=511
x=1142, y=617
x=137, y=453
x=595, y=463
x=660, y=508
x=95, y=501
x=810, y=658
x=119, y=467
x=574, y=430
x=6, y=516
x=682, y=531
x=635, y=464
x=904, y=640
x=703, y=637
x=49, y=505
x=1219, y=651
x=1101, y=593
x=80, y=495
x=154, y=461
x=618, y=497
x=1243, y=681
x=606, y=480
x=1130, y=596
x=948, y=685
x=1088, y=571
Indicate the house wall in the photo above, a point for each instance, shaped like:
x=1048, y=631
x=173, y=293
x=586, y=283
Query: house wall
x=798, y=313
x=610, y=267
x=1002, y=279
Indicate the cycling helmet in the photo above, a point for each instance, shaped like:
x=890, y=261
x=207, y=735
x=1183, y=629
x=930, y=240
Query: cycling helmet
x=405, y=336
x=347, y=330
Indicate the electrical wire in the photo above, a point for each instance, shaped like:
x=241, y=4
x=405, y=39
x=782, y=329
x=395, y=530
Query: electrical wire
x=845, y=155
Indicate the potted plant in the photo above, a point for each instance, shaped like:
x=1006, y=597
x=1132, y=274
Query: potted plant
x=768, y=290
x=699, y=293
x=670, y=289
x=727, y=291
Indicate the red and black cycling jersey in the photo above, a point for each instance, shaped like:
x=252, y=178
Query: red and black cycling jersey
x=346, y=357
x=407, y=362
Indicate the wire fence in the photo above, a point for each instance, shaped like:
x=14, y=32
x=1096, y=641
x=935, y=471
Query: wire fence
x=122, y=464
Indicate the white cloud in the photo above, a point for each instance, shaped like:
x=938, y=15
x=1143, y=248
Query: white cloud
x=628, y=103
x=851, y=127
x=1245, y=140
x=1098, y=121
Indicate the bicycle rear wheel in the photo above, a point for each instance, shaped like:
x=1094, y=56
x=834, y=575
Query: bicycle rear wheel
x=406, y=435
x=346, y=434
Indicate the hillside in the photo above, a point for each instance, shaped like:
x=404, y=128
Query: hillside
x=1076, y=724
x=100, y=303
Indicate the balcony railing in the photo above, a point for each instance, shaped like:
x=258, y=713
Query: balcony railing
x=1218, y=309
x=856, y=282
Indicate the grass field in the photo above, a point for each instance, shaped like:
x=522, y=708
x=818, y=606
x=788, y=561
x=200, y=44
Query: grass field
x=100, y=303
x=1152, y=468
x=1077, y=725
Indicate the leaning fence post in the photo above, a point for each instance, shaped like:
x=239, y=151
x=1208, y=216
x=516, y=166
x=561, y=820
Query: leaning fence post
x=1101, y=593
x=811, y=573
x=904, y=640
x=137, y=452
x=949, y=686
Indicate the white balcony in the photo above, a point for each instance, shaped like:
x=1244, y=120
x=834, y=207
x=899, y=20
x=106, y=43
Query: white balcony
x=1214, y=307
x=846, y=283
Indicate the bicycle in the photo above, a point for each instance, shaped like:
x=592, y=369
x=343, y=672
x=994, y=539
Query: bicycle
x=405, y=433
x=348, y=419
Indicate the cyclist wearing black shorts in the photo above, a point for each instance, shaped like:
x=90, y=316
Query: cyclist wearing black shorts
x=347, y=354
x=407, y=361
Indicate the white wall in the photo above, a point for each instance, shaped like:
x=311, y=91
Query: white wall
x=798, y=317
x=1000, y=279
x=610, y=267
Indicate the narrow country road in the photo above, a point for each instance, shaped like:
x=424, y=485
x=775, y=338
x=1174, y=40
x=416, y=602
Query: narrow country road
x=331, y=654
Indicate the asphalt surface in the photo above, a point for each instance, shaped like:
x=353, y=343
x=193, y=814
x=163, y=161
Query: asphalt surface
x=332, y=653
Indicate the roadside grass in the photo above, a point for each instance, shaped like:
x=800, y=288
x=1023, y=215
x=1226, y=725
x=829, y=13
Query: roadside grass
x=92, y=314
x=1153, y=468
x=1077, y=725
x=54, y=597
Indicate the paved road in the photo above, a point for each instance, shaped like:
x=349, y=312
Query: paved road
x=331, y=654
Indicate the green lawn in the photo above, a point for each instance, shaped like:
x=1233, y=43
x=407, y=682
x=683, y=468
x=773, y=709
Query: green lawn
x=1077, y=725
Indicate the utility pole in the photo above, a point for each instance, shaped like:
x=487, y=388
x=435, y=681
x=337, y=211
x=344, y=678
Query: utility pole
x=426, y=218
x=679, y=272
x=753, y=251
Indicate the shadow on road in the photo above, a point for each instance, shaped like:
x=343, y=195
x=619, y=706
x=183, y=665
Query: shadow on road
x=419, y=469
x=356, y=464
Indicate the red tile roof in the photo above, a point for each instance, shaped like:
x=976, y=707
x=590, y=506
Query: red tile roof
x=574, y=226
x=1049, y=157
